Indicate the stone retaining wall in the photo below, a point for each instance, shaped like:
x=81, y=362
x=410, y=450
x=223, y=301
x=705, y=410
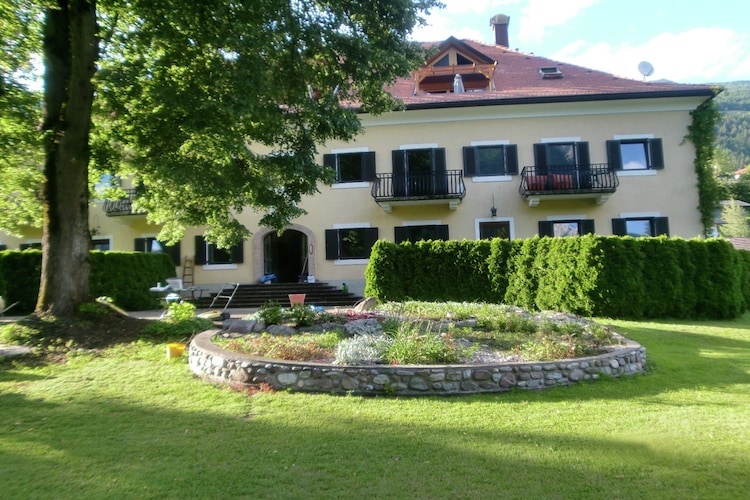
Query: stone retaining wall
x=218, y=365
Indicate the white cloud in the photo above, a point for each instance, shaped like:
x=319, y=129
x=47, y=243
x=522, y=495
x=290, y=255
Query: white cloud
x=538, y=15
x=687, y=57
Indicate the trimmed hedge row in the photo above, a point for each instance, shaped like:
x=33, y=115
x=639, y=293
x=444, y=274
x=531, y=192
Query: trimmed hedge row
x=607, y=276
x=124, y=276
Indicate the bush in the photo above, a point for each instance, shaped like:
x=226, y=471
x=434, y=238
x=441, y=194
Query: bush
x=619, y=277
x=124, y=276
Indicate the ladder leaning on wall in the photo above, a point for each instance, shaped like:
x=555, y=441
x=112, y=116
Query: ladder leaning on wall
x=187, y=272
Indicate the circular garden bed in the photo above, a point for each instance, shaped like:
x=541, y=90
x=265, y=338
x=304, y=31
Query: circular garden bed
x=412, y=349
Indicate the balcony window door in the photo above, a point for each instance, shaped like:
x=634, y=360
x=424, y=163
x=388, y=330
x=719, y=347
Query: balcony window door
x=567, y=162
x=419, y=172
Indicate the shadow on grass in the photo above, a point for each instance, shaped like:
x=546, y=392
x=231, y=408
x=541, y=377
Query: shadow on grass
x=102, y=447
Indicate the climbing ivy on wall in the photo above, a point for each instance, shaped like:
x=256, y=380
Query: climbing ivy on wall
x=701, y=132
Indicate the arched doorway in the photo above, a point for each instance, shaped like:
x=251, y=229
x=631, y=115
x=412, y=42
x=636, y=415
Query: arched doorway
x=286, y=255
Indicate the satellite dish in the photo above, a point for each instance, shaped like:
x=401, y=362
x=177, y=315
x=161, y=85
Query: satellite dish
x=646, y=68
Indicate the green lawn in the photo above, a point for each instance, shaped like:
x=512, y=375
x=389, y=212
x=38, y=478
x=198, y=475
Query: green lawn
x=131, y=424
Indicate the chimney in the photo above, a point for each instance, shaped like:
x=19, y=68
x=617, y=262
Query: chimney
x=500, y=23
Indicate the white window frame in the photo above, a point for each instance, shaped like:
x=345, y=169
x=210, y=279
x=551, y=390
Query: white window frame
x=640, y=172
x=491, y=178
x=350, y=185
x=511, y=232
x=352, y=262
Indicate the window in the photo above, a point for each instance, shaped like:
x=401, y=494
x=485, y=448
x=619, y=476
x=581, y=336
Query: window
x=560, y=157
x=641, y=226
x=559, y=228
x=566, y=162
x=419, y=172
x=207, y=253
x=494, y=229
x=3, y=247
x=490, y=160
x=31, y=245
x=635, y=154
x=101, y=244
x=352, y=167
x=151, y=245
x=350, y=243
x=421, y=232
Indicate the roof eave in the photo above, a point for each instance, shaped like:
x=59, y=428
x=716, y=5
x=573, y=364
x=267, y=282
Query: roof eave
x=618, y=96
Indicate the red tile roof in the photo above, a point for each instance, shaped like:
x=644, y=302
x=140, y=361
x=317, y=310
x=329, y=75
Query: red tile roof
x=740, y=243
x=517, y=79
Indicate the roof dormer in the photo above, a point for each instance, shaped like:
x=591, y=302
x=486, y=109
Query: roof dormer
x=454, y=57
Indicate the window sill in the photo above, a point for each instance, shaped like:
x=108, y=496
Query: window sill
x=351, y=262
x=350, y=185
x=218, y=267
x=635, y=173
x=492, y=178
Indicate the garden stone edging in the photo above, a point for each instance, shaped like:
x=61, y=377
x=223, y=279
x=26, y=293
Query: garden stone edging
x=217, y=365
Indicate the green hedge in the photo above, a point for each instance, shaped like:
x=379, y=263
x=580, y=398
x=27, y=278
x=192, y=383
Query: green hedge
x=619, y=277
x=124, y=276
x=436, y=270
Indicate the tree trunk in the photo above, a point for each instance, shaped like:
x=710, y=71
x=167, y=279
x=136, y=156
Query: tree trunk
x=70, y=52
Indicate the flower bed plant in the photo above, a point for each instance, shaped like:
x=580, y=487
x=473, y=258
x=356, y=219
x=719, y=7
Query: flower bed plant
x=421, y=333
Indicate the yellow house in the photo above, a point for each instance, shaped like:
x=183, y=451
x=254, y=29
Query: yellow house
x=490, y=142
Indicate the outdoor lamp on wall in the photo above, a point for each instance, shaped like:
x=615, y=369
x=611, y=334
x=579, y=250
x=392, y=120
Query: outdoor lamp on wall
x=493, y=210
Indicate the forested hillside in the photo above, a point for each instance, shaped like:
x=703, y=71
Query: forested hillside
x=733, y=133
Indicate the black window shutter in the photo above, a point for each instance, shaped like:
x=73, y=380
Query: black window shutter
x=438, y=163
x=618, y=227
x=661, y=226
x=614, y=155
x=174, y=252
x=586, y=226
x=470, y=162
x=371, y=236
x=540, y=158
x=139, y=244
x=200, y=251
x=332, y=244
x=237, y=253
x=401, y=234
x=329, y=160
x=582, y=150
x=511, y=159
x=398, y=157
x=656, y=154
x=441, y=232
x=546, y=228
x=368, y=165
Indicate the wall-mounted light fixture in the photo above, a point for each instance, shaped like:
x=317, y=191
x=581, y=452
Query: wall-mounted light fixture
x=493, y=210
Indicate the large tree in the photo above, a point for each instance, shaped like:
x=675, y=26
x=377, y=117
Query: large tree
x=212, y=106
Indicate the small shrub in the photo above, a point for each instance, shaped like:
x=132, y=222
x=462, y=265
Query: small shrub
x=302, y=315
x=180, y=311
x=415, y=343
x=363, y=349
x=270, y=313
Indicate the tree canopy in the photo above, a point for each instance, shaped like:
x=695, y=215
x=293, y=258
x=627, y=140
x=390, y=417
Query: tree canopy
x=215, y=107
x=211, y=106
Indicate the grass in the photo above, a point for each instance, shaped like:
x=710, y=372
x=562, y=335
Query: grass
x=127, y=423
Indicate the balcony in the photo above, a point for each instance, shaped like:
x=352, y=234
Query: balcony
x=594, y=181
x=445, y=187
x=123, y=206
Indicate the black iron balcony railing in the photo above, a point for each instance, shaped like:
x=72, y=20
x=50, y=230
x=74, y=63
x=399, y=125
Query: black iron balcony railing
x=593, y=179
x=123, y=206
x=403, y=187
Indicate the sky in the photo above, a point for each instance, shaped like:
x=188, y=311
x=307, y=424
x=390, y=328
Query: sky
x=688, y=41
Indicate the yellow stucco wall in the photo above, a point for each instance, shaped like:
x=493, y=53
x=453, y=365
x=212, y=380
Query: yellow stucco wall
x=670, y=192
